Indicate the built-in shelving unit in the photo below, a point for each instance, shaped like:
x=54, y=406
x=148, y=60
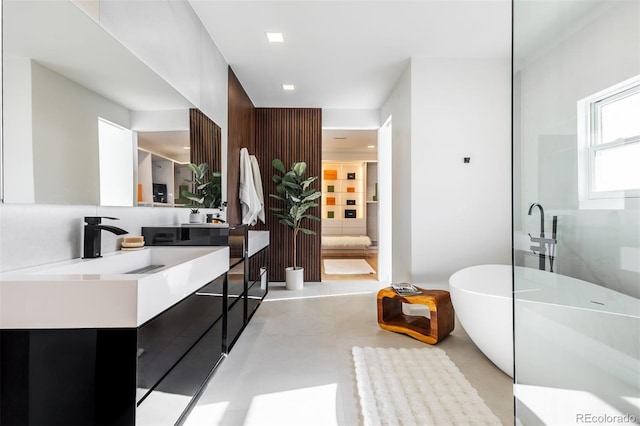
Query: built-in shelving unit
x=344, y=210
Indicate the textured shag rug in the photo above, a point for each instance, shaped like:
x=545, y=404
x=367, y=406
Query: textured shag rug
x=347, y=266
x=416, y=387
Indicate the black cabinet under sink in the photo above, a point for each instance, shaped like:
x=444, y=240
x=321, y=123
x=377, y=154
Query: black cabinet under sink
x=164, y=340
x=112, y=376
x=178, y=351
x=247, y=276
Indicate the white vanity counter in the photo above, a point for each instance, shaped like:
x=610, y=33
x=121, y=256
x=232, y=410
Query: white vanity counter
x=107, y=292
x=257, y=240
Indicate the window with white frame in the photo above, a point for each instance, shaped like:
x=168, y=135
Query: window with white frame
x=609, y=138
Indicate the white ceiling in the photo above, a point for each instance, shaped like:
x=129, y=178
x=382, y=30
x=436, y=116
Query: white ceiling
x=168, y=144
x=353, y=141
x=347, y=54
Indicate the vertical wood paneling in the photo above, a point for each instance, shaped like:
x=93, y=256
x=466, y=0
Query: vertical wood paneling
x=241, y=134
x=291, y=134
x=205, y=140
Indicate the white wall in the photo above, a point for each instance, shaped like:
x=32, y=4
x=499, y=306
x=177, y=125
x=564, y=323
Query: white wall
x=398, y=105
x=17, y=130
x=39, y=234
x=598, y=246
x=385, y=209
x=351, y=119
x=160, y=121
x=446, y=214
x=65, y=138
x=460, y=213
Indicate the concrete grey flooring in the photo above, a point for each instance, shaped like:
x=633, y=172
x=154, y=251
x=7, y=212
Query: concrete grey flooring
x=293, y=365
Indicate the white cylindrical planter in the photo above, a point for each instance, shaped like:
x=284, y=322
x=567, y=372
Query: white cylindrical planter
x=294, y=278
x=195, y=218
x=263, y=278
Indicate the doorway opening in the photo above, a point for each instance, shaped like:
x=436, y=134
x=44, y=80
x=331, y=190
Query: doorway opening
x=350, y=204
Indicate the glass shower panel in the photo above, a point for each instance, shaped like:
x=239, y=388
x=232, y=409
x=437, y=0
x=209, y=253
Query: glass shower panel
x=576, y=154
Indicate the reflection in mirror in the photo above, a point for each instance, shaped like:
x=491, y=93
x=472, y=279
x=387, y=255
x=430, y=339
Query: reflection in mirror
x=162, y=167
x=75, y=105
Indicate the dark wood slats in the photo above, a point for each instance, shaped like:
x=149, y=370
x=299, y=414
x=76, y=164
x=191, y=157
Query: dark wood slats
x=291, y=134
x=241, y=134
x=205, y=140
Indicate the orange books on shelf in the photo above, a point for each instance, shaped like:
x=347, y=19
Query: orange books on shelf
x=351, y=189
x=331, y=201
x=331, y=174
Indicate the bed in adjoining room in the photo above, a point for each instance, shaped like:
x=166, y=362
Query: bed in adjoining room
x=346, y=244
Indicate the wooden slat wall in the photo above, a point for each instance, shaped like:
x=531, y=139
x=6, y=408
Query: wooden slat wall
x=241, y=134
x=291, y=134
x=205, y=140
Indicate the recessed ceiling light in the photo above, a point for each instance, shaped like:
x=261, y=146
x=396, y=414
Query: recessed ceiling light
x=275, y=37
x=371, y=146
x=186, y=147
x=288, y=87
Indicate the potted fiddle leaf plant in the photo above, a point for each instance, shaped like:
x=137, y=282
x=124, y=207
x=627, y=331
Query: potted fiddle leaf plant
x=296, y=195
x=207, y=190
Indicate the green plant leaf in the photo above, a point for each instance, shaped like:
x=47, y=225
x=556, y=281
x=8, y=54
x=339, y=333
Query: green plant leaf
x=287, y=222
x=208, y=191
x=299, y=168
x=290, y=184
x=194, y=169
x=278, y=165
x=308, y=182
x=295, y=195
x=311, y=197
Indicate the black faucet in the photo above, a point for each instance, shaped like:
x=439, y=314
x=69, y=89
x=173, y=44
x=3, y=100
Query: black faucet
x=541, y=248
x=92, y=235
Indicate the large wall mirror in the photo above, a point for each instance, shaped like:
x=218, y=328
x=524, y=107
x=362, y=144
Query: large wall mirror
x=85, y=121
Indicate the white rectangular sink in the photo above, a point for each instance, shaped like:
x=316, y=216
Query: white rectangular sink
x=121, y=262
x=120, y=289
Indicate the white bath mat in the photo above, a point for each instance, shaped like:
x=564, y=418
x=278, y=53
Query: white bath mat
x=416, y=387
x=347, y=266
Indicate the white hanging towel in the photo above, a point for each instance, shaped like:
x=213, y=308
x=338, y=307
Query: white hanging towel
x=257, y=183
x=248, y=197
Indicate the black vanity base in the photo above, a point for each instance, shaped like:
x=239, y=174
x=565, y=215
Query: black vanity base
x=68, y=377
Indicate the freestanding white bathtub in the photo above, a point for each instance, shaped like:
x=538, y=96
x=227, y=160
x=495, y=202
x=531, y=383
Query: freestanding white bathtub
x=481, y=297
x=577, y=343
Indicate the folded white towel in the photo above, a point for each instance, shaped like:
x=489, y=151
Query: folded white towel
x=257, y=183
x=248, y=196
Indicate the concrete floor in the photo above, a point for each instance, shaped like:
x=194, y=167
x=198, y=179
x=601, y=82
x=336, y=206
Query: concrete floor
x=293, y=364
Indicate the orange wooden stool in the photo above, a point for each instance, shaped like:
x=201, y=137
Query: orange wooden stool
x=428, y=330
